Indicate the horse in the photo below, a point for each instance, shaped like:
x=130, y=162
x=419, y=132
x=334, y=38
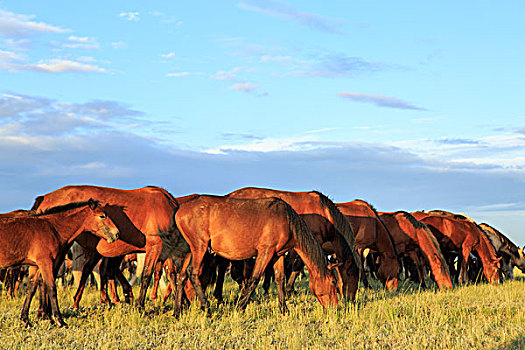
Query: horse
x=506, y=249
x=151, y=211
x=42, y=240
x=238, y=229
x=414, y=238
x=315, y=202
x=463, y=236
x=371, y=232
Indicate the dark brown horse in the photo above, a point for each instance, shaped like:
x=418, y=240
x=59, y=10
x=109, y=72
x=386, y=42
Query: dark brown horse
x=370, y=232
x=463, y=236
x=238, y=229
x=43, y=241
x=316, y=203
x=506, y=249
x=150, y=209
x=413, y=238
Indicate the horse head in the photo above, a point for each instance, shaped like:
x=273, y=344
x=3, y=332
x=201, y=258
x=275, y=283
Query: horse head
x=325, y=288
x=101, y=224
x=442, y=276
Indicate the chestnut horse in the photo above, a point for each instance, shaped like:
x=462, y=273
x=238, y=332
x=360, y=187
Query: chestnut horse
x=414, y=238
x=43, y=241
x=371, y=232
x=463, y=236
x=316, y=203
x=151, y=210
x=505, y=248
x=238, y=229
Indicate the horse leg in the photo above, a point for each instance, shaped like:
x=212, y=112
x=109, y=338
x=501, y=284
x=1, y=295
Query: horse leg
x=463, y=273
x=33, y=278
x=104, y=278
x=157, y=275
x=48, y=277
x=419, y=267
x=263, y=258
x=152, y=256
x=86, y=271
x=181, y=280
x=222, y=265
x=278, y=268
x=170, y=269
x=126, y=287
x=44, y=305
x=268, y=274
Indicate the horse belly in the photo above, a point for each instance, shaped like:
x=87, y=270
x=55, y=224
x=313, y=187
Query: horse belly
x=233, y=246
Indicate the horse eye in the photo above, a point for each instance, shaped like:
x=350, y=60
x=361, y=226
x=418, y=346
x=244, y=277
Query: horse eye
x=102, y=216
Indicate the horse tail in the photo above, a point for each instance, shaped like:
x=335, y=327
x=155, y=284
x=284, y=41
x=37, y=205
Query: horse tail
x=38, y=201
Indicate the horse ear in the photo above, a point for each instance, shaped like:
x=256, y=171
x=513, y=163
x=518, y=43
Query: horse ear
x=521, y=253
x=92, y=203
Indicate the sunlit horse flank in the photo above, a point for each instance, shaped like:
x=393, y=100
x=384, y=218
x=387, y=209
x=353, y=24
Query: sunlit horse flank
x=464, y=236
x=512, y=255
x=238, y=229
x=42, y=240
x=371, y=232
x=151, y=210
x=315, y=202
x=413, y=237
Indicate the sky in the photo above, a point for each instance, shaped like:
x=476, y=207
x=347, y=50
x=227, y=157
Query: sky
x=408, y=105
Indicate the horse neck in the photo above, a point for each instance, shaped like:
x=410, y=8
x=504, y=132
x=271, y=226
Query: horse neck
x=69, y=224
x=485, y=249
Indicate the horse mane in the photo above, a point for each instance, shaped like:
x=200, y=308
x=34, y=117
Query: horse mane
x=65, y=207
x=304, y=238
x=513, y=247
x=420, y=225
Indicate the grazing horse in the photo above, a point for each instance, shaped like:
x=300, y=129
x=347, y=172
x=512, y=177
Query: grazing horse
x=238, y=229
x=463, y=236
x=151, y=210
x=371, y=232
x=316, y=203
x=506, y=249
x=43, y=241
x=414, y=238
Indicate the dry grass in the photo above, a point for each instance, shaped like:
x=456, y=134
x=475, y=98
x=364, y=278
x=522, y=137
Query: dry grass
x=473, y=317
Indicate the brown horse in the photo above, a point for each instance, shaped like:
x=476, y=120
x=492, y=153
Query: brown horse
x=316, y=203
x=43, y=240
x=414, y=238
x=371, y=232
x=238, y=229
x=150, y=209
x=463, y=236
x=506, y=249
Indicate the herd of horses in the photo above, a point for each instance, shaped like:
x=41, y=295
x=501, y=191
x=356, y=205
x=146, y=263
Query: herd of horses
x=252, y=231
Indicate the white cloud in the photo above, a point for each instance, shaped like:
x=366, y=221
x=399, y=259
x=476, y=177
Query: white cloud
x=18, y=25
x=246, y=87
x=178, y=75
x=62, y=66
x=378, y=100
x=228, y=75
x=168, y=55
x=321, y=130
x=75, y=42
x=118, y=44
x=130, y=16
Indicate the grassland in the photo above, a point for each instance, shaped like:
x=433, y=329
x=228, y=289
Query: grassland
x=473, y=317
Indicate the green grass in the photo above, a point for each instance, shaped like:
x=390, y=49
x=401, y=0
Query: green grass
x=474, y=317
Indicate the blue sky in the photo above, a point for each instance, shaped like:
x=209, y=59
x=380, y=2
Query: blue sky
x=407, y=105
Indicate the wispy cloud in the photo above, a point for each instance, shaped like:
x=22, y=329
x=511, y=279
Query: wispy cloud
x=61, y=66
x=87, y=43
x=228, y=75
x=246, y=87
x=281, y=9
x=168, y=55
x=178, y=75
x=321, y=130
x=19, y=25
x=340, y=65
x=130, y=16
x=380, y=101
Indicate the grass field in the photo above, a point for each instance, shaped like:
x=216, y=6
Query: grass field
x=473, y=317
